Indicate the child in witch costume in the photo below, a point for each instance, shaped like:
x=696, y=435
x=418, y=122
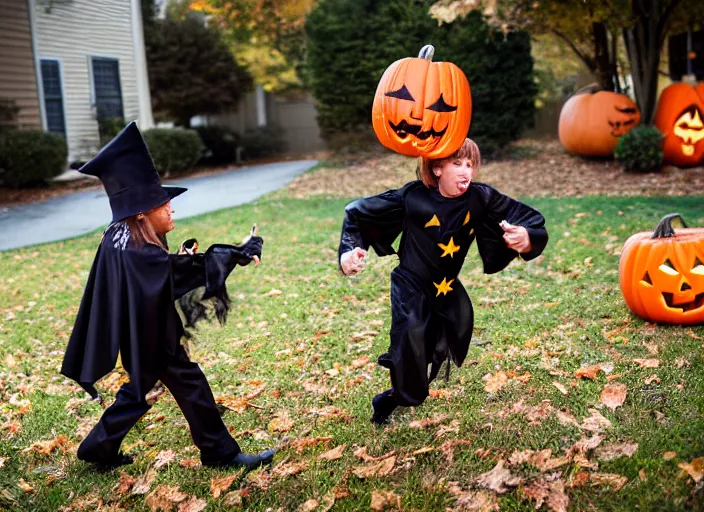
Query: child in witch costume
x=438, y=216
x=128, y=307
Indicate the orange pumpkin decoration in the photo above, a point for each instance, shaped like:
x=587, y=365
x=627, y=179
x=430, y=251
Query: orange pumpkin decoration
x=422, y=108
x=591, y=123
x=662, y=273
x=680, y=118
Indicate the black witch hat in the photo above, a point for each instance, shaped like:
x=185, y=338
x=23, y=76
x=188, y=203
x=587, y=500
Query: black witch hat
x=128, y=174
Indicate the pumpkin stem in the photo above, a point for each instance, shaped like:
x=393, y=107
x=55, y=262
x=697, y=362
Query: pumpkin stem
x=427, y=52
x=664, y=228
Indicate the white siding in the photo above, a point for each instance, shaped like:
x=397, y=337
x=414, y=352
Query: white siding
x=72, y=32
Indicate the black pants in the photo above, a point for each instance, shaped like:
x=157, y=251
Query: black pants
x=190, y=388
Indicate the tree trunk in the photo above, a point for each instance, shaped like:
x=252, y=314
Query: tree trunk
x=605, y=70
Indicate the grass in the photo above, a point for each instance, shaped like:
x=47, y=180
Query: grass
x=548, y=318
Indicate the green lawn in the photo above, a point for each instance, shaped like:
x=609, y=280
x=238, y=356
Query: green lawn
x=306, y=344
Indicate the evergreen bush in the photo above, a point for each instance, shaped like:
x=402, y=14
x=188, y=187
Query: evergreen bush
x=29, y=157
x=220, y=142
x=640, y=149
x=173, y=149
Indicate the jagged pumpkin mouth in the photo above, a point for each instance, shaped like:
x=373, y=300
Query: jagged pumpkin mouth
x=685, y=306
x=404, y=129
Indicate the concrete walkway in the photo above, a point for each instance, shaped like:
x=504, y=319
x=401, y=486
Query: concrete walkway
x=81, y=212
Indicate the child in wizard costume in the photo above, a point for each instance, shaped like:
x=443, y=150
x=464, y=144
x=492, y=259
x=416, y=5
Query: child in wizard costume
x=438, y=217
x=128, y=307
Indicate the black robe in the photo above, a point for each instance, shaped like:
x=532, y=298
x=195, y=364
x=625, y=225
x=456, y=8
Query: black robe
x=432, y=314
x=128, y=305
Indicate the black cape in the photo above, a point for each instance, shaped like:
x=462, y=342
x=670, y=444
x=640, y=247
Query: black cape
x=128, y=305
x=432, y=315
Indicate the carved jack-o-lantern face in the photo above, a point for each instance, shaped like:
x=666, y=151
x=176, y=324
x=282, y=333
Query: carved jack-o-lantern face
x=662, y=275
x=591, y=124
x=680, y=117
x=422, y=108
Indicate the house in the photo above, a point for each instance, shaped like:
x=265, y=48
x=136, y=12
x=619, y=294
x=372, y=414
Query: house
x=66, y=64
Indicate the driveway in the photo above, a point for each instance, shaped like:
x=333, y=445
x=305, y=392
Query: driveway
x=82, y=212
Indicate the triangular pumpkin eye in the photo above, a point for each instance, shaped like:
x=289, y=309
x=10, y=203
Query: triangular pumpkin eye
x=441, y=106
x=698, y=267
x=646, y=278
x=402, y=94
x=668, y=268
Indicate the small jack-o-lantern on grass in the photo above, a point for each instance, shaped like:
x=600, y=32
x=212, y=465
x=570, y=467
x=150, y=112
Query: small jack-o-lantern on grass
x=662, y=273
x=422, y=108
x=591, y=122
x=680, y=117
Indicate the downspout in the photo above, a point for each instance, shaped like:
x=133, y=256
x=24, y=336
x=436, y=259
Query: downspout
x=145, y=118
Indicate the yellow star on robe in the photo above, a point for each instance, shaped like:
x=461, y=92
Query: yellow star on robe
x=450, y=248
x=466, y=220
x=432, y=222
x=444, y=287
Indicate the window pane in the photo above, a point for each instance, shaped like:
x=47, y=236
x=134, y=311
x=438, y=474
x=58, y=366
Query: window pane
x=106, y=81
x=53, y=97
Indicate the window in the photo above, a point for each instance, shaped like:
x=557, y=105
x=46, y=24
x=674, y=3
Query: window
x=53, y=96
x=106, y=84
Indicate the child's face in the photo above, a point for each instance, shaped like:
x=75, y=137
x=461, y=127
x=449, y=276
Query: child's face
x=454, y=176
x=160, y=218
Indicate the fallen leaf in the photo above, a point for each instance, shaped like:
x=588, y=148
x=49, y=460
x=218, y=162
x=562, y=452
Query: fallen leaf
x=498, y=479
x=309, y=505
x=193, y=504
x=588, y=372
x=232, y=499
x=125, y=484
x=560, y=387
x=2, y=462
x=613, y=395
x=428, y=422
x=46, y=447
x=694, y=468
x=220, y=485
x=301, y=444
x=669, y=455
x=647, y=363
x=273, y=293
x=473, y=501
x=567, y=419
x=680, y=362
x=652, y=348
x=615, y=482
x=334, y=454
x=547, y=491
x=642, y=476
x=330, y=412
x=144, y=482
x=614, y=451
x=596, y=422
x=189, y=463
x=448, y=448
x=494, y=382
x=381, y=500
x=361, y=453
x=281, y=422
x=284, y=469
x=542, y=459
x=425, y=449
x=690, y=333
x=652, y=378
x=163, y=458
x=382, y=468
x=24, y=486
x=165, y=497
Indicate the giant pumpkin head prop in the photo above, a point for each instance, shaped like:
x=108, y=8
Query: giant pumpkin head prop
x=591, y=122
x=662, y=274
x=421, y=107
x=680, y=118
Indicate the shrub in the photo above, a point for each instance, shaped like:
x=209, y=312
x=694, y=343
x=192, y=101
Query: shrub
x=30, y=157
x=220, y=142
x=262, y=142
x=109, y=127
x=640, y=149
x=173, y=149
x=344, y=69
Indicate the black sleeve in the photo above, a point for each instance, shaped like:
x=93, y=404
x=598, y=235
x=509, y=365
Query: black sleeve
x=210, y=271
x=493, y=251
x=374, y=221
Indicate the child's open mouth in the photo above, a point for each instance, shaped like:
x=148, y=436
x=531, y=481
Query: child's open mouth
x=462, y=185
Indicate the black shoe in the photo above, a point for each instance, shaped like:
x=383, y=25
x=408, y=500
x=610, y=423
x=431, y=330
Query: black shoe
x=107, y=464
x=244, y=460
x=383, y=405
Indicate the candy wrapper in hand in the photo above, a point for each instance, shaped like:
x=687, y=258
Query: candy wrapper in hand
x=252, y=244
x=189, y=246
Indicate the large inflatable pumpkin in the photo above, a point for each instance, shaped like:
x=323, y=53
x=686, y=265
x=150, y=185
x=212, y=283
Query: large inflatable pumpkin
x=680, y=118
x=662, y=273
x=421, y=107
x=591, y=122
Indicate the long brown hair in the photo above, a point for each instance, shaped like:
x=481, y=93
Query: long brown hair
x=468, y=149
x=143, y=232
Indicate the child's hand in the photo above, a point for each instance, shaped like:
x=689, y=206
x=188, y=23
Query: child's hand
x=353, y=261
x=516, y=237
